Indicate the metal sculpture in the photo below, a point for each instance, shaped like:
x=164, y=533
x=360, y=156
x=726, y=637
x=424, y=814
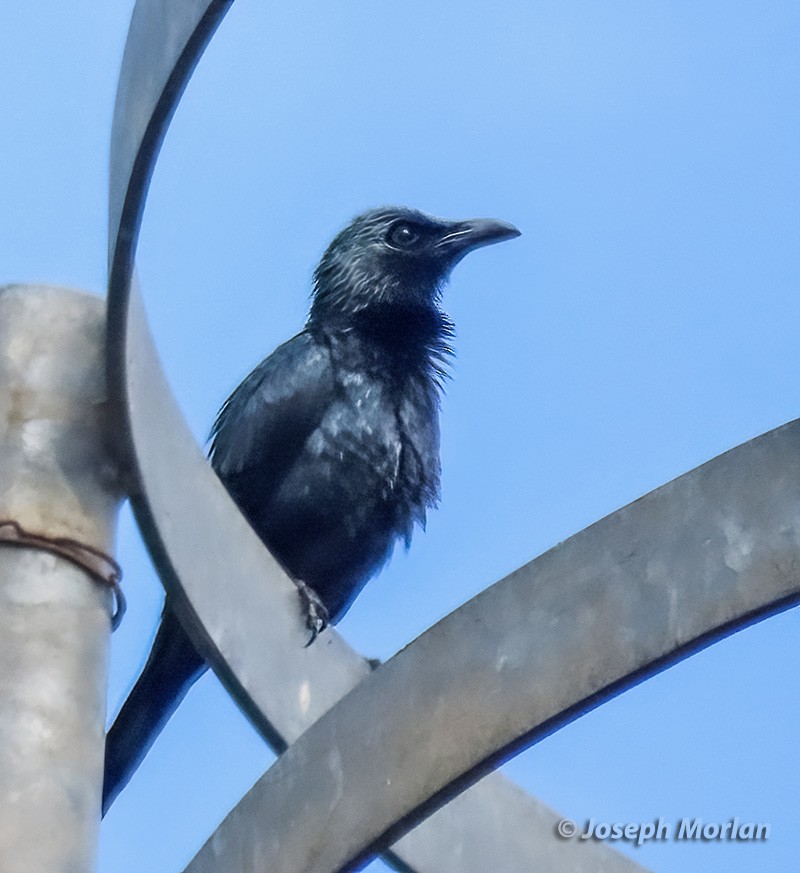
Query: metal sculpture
x=690, y=562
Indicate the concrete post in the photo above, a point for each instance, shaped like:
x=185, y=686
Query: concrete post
x=59, y=495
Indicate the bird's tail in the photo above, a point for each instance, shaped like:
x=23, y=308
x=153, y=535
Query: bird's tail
x=171, y=669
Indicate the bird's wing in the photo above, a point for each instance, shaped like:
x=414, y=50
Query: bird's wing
x=264, y=424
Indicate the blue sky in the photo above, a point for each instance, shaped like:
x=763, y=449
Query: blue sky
x=644, y=322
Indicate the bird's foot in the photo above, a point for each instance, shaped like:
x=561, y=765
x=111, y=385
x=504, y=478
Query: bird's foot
x=314, y=610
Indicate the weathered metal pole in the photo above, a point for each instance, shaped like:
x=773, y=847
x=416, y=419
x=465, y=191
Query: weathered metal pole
x=59, y=494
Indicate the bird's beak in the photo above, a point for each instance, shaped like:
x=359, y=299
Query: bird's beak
x=464, y=236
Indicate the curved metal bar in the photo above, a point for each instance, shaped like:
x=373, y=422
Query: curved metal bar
x=228, y=586
x=694, y=560
x=165, y=42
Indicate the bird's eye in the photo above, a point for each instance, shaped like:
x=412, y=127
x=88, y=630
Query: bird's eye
x=403, y=235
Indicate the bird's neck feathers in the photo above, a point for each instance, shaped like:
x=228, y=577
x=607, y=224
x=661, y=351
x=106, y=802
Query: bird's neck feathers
x=414, y=338
x=404, y=325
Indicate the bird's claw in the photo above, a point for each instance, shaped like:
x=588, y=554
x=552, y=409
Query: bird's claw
x=314, y=610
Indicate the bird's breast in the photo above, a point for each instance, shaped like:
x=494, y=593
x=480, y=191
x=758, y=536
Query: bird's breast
x=384, y=438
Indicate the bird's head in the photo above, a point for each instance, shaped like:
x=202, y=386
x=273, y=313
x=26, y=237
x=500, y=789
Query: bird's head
x=396, y=258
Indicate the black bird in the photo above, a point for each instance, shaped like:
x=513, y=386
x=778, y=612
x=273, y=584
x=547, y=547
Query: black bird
x=330, y=447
